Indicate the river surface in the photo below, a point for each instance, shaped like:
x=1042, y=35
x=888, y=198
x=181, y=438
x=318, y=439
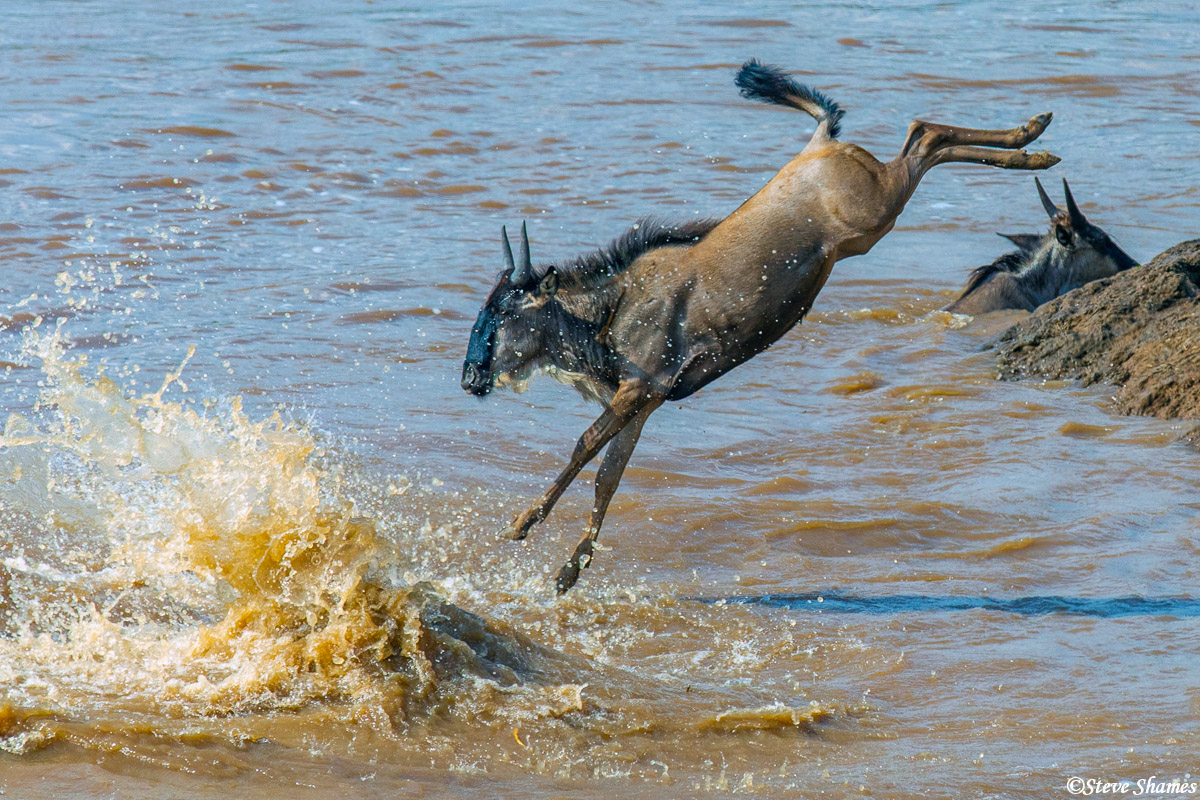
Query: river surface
x=249, y=521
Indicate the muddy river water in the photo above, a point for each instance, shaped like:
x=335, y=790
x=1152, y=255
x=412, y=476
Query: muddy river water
x=248, y=519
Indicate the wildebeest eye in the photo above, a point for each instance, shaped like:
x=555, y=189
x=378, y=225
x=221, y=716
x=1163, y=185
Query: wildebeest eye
x=510, y=303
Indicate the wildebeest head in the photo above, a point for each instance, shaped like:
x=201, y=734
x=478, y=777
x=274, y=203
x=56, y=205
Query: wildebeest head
x=1088, y=252
x=506, y=341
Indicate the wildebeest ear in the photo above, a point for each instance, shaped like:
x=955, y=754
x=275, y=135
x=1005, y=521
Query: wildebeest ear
x=549, y=283
x=1024, y=241
x=1064, y=235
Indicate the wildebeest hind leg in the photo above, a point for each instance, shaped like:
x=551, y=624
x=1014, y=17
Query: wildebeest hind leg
x=1008, y=159
x=629, y=399
x=925, y=138
x=607, y=479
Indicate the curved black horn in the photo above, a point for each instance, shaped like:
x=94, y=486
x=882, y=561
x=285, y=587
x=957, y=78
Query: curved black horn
x=524, y=267
x=1078, y=220
x=1047, y=204
x=508, y=259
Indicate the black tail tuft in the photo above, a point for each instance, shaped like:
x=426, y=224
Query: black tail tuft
x=757, y=81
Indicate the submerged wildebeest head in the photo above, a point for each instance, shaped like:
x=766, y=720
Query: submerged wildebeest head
x=1072, y=253
x=506, y=342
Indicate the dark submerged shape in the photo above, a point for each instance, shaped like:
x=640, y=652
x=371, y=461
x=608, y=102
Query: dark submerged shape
x=1106, y=607
x=666, y=309
x=1073, y=253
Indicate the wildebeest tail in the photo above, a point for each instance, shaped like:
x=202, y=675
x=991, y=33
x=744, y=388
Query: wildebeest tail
x=758, y=81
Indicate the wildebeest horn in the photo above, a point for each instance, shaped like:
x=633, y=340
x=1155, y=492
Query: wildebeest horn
x=1078, y=220
x=508, y=259
x=1047, y=203
x=525, y=267
x=523, y=270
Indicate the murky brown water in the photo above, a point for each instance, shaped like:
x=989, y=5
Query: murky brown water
x=211, y=577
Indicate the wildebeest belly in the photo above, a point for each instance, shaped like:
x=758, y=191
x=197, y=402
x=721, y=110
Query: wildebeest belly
x=687, y=317
x=728, y=326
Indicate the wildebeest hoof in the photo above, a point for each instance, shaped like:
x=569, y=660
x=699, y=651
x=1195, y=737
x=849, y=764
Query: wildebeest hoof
x=519, y=528
x=567, y=576
x=1039, y=160
x=1039, y=123
x=1046, y=159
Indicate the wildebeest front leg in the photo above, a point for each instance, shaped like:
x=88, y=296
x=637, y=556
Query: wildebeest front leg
x=629, y=399
x=607, y=479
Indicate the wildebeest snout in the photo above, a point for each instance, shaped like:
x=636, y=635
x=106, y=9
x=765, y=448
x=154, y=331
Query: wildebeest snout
x=475, y=380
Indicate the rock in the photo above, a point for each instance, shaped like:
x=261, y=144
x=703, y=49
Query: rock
x=1138, y=330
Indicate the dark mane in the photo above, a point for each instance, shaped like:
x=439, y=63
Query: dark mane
x=1009, y=262
x=642, y=237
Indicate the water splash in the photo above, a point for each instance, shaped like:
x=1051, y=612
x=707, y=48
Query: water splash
x=180, y=559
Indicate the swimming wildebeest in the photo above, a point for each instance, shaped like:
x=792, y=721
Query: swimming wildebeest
x=1073, y=253
x=667, y=309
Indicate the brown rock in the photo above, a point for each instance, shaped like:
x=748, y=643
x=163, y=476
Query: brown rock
x=1138, y=330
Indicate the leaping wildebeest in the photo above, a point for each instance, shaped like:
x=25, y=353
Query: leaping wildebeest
x=668, y=308
x=1073, y=253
